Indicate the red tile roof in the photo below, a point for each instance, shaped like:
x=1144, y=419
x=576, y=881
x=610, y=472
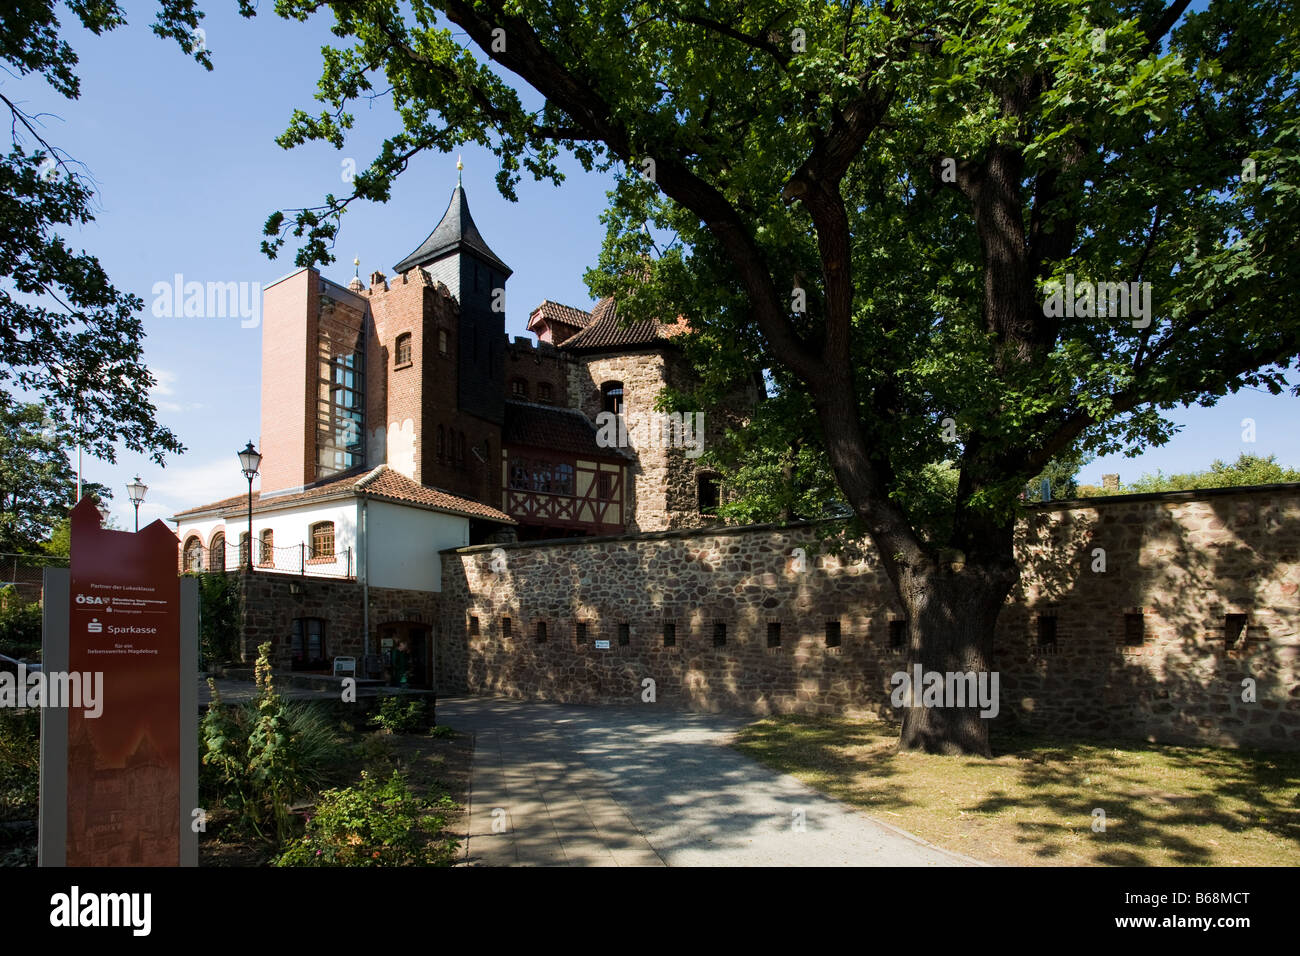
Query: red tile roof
x=606, y=331
x=564, y=314
x=382, y=482
x=552, y=429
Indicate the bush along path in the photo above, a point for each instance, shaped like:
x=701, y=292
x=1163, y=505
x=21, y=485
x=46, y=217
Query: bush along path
x=304, y=783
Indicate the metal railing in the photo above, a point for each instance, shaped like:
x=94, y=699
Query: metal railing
x=287, y=559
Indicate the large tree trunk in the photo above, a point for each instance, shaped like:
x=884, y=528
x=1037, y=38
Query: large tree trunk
x=952, y=611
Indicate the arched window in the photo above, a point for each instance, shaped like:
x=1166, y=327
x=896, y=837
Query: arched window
x=322, y=540
x=268, y=549
x=243, y=549
x=611, y=397
x=402, y=354
x=193, y=554
x=442, y=443
x=217, y=552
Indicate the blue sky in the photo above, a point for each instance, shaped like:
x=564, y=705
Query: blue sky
x=188, y=171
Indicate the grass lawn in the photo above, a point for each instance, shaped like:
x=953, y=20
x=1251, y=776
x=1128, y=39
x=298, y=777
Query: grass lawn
x=1033, y=802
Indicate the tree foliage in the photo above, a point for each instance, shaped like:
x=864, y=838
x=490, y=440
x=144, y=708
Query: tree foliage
x=67, y=334
x=1247, y=470
x=37, y=483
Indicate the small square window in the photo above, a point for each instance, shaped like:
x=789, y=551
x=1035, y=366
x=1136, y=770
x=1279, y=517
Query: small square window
x=1046, y=630
x=625, y=634
x=719, y=633
x=541, y=632
x=1234, y=628
x=898, y=633
x=832, y=633
x=773, y=633
x=505, y=627
x=670, y=634
x=1134, y=629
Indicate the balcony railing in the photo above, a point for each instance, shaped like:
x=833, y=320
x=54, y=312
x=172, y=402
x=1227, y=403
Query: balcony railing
x=288, y=559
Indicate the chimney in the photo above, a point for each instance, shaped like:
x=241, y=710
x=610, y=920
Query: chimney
x=1110, y=482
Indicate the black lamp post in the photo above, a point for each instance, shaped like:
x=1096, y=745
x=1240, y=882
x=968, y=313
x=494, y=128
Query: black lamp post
x=250, y=461
x=135, y=492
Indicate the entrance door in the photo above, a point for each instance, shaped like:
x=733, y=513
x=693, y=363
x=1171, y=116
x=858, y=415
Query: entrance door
x=408, y=651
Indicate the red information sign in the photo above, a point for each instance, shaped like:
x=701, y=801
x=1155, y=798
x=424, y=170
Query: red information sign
x=124, y=765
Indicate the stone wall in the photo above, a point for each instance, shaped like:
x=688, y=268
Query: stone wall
x=268, y=604
x=1184, y=562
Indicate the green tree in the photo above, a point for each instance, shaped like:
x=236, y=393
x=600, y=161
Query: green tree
x=868, y=200
x=38, y=487
x=1245, y=471
x=67, y=334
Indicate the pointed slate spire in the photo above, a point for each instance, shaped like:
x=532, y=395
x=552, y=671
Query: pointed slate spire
x=455, y=233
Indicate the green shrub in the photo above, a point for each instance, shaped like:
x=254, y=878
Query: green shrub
x=218, y=617
x=20, y=625
x=374, y=824
x=20, y=764
x=442, y=731
x=398, y=715
x=262, y=756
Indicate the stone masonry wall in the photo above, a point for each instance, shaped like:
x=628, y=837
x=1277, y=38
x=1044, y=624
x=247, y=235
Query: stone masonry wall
x=1183, y=561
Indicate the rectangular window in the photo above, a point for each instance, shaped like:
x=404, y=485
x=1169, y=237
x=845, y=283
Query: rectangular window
x=897, y=633
x=505, y=627
x=625, y=634
x=340, y=389
x=308, y=644
x=719, y=633
x=581, y=632
x=541, y=632
x=1234, y=628
x=832, y=633
x=773, y=633
x=473, y=627
x=605, y=486
x=670, y=634
x=442, y=341
x=1134, y=630
x=322, y=540
x=1046, y=630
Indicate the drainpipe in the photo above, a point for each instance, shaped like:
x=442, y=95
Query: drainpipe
x=363, y=567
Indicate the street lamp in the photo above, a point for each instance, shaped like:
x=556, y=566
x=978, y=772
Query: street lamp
x=249, y=461
x=135, y=491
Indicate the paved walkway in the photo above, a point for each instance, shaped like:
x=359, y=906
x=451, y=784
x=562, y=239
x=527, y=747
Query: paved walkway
x=557, y=785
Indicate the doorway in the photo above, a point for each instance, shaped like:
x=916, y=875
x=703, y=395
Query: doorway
x=408, y=654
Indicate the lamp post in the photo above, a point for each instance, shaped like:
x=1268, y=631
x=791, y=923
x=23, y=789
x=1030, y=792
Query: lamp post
x=249, y=461
x=135, y=491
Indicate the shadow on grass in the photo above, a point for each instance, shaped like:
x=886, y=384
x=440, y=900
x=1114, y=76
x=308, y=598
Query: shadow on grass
x=1161, y=804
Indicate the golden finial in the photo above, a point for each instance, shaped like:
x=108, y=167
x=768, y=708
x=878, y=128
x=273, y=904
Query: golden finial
x=459, y=167
x=356, y=264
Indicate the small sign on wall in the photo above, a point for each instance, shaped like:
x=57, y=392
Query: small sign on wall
x=602, y=645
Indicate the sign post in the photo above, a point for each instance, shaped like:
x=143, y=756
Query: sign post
x=119, y=781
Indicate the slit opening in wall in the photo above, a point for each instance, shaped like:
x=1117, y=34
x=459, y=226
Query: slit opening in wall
x=1234, y=629
x=580, y=632
x=719, y=633
x=1134, y=629
x=541, y=632
x=670, y=634
x=1046, y=630
x=898, y=633
x=624, y=634
x=832, y=633
x=473, y=626
x=773, y=633
x=505, y=627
